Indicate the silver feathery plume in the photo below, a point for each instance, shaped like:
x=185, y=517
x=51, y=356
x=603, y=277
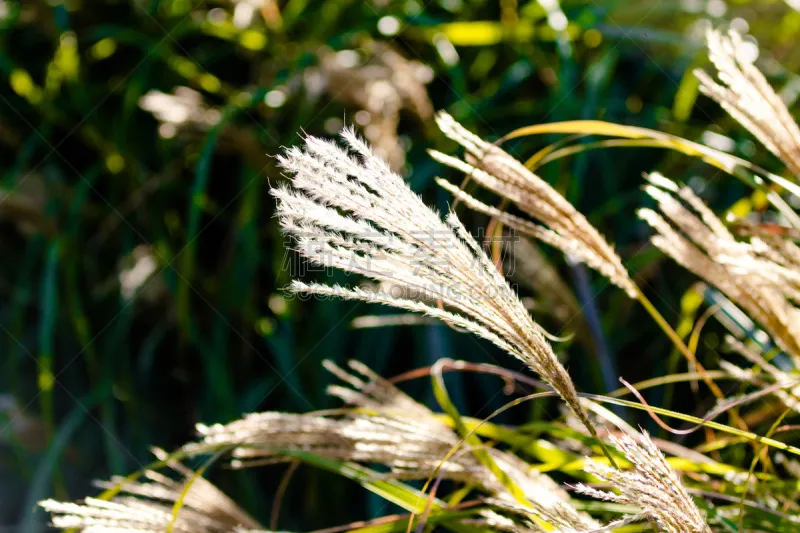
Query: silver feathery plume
x=652, y=485
x=746, y=95
x=754, y=275
x=147, y=507
x=356, y=214
x=566, y=228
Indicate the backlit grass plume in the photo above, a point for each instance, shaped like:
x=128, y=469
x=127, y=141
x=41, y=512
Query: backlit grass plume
x=566, y=228
x=147, y=507
x=350, y=211
x=750, y=274
x=562, y=227
x=548, y=500
x=389, y=428
x=747, y=96
x=652, y=485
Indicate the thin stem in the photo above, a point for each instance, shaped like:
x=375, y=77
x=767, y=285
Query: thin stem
x=510, y=377
x=681, y=346
x=676, y=340
x=593, y=433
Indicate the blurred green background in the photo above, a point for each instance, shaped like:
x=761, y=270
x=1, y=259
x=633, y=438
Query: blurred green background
x=141, y=272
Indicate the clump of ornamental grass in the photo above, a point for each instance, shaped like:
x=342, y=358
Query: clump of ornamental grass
x=396, y=432
x=356, y=214
x=344, y=207
x=382, y=426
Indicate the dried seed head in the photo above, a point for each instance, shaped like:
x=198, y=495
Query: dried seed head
x=747, y=96
x=355, y=214
x=651, y=485
x=147, y=507
x=758, y=276
x=397, y=432
x=566, y=228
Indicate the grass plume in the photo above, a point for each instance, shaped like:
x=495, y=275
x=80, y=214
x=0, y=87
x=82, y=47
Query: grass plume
x=356, y=214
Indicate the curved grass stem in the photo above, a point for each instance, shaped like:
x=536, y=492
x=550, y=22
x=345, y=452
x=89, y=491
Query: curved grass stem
x=676, y=340
x=684, y=350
